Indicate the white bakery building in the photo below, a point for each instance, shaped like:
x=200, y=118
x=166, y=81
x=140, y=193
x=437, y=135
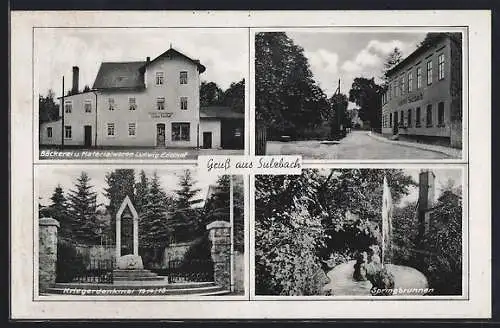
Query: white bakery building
x=152, y=103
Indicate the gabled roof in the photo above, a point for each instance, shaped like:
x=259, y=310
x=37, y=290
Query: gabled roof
x=220, y=112
x=423, y=48
x=130, y=75
x=174, y=53
x=122, y=75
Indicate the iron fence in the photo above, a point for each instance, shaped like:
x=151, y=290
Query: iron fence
x=97, y=271
x=188, y=271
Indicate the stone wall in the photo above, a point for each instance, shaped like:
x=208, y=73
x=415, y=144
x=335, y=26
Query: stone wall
x=47, y=257
x=94, y=253
x=176, y=252
x=220, y=237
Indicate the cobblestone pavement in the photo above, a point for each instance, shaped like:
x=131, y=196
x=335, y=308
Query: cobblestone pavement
x=356, y=145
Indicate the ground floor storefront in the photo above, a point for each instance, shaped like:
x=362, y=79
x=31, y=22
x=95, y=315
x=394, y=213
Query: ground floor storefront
x=205, y=134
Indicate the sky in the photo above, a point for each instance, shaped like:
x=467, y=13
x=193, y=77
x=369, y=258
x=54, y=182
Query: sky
x=49, y=177
x=346, y=55
x=224, y=52
x=442, y=176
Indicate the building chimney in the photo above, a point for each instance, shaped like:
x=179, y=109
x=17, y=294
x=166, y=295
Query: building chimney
x=425, y=200
x=76, y=73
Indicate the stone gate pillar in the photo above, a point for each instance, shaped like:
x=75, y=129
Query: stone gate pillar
x=219, y=233
x=47, y=257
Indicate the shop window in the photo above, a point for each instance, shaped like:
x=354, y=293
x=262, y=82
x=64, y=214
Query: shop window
x=180, y=131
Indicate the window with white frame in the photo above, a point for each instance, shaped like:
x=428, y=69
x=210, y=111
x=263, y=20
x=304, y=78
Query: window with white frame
x=180, y=131
x=87, y=105
x=49, y=132
x=183, y=77
x=441, y=66
x=160, y=78
x=184, y=103
x=67, y=132
x=111, y=129
x=111, y=104
x=132, y=105
x=390, y=91
x=419, y=77
x=429, y=72
x=395, y=87
x=68, y=106
x=131, y=129
x=410, y=81
x=160, y=103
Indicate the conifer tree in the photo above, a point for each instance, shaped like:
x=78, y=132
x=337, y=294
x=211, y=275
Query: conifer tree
x=82, y=208
x=59, y=211
x=185, y=220
x=217, y=206
x=141, y=191
x=153, y=218
x=121, y=183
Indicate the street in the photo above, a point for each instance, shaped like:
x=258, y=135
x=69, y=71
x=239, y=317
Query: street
x=356, y=145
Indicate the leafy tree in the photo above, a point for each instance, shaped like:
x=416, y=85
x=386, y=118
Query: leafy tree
x=367, y=95
x=120, y=183
x=82, y=209
x=234, y=96
x=287, y=99
x=288, y=234
x=210, y=94
x=444, y=241
x=48, y=110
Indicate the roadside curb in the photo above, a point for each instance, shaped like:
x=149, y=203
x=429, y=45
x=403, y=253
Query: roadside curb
x=416, y=145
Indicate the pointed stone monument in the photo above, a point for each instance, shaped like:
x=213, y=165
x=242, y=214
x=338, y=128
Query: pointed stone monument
x=130, y=267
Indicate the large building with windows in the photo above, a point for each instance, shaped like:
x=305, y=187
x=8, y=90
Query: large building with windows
x=152, y=103
x=423, y=99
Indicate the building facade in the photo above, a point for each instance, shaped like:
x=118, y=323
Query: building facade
x=423, y=99
x=152, y=103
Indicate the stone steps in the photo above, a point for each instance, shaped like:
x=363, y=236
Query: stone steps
x=135, y=275
x=193, y=289
x=138, y=285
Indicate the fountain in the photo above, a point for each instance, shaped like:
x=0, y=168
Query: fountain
x=372, y=273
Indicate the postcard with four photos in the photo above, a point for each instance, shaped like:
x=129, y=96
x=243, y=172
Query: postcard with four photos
x=215, y=165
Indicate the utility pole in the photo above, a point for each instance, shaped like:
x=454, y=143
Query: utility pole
x=62, y=112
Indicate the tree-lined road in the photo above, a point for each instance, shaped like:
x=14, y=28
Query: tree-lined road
x=356, y=145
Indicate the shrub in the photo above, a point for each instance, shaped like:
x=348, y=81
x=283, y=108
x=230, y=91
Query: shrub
x=381, y=279
x=69, y=262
